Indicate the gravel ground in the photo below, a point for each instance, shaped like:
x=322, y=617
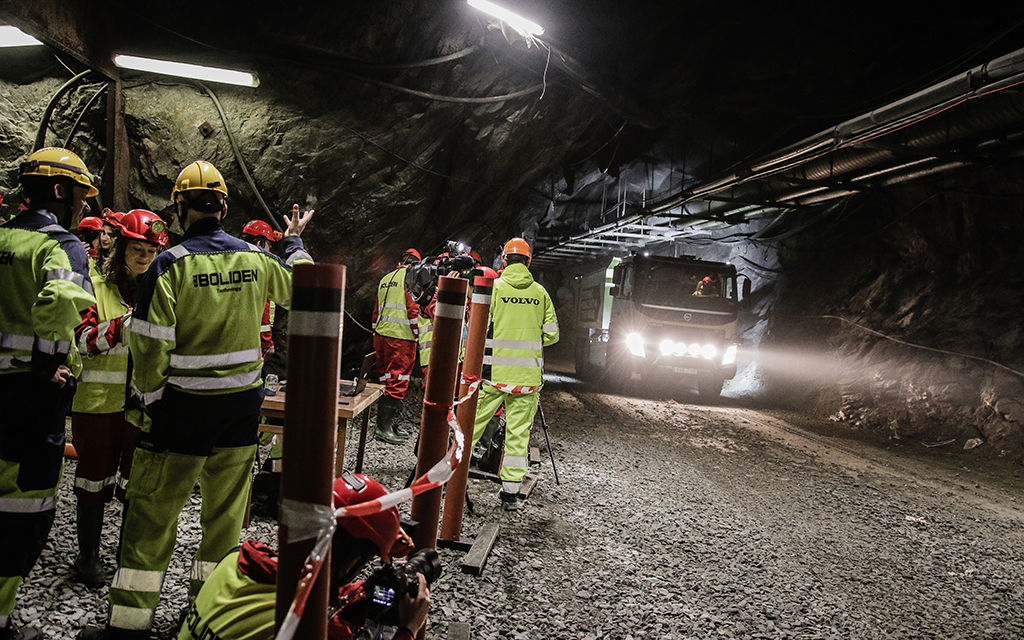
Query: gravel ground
x=676, y=520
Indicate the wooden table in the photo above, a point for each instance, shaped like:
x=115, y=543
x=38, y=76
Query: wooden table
x=348, y=407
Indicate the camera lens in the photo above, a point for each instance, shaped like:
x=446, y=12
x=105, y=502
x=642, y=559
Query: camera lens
x=427, y=562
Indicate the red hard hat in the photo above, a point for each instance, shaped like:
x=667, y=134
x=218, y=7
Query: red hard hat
x=476, y=257
x=260, y=228
x=412, y=252
x=486, y=272
x=381, y=528
x=112, y=217
x=140, y=224
x=90, y=222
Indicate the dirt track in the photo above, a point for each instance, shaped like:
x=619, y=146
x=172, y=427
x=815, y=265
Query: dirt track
x=677, y=520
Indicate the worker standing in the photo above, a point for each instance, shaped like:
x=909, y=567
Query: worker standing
x=104, y=440
x=44, y=277
x=196, y=370
x=395, y=319
x=522, y=323
x=260, y=234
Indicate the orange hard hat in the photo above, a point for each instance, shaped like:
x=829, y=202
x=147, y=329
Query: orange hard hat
x=516, y=246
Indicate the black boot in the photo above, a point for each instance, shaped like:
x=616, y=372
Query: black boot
x=89, y=569
x=25, y=633
x=387, y=411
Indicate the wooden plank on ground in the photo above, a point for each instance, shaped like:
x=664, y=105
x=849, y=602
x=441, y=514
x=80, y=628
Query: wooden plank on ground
x=529, y=482
x=483, y=475
x=458, y=631
x=475, y=560
x=534, y=455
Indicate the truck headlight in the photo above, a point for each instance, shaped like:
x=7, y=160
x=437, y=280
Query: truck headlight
x=708, y=351
x=694, y=349
x=635, y=344
x=667, y=347
x=730, y=355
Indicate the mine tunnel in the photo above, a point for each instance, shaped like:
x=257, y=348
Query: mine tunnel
x=784, y=393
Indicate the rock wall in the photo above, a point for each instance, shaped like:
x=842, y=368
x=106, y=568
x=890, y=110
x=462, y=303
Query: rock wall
x=901, y=312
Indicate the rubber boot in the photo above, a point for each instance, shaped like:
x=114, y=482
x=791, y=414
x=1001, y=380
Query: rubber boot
x=387, y=411
x=509, y=501
x=89, y=569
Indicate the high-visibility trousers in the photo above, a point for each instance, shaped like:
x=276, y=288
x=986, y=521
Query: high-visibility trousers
x=206, y=439
x=105, y=444
x=31, y=462
x=520, y=410
x=395, y=359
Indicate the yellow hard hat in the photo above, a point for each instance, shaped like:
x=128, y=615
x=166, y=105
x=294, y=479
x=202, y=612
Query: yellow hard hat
x=199, y=176
x=516, y=246
x=54, y=161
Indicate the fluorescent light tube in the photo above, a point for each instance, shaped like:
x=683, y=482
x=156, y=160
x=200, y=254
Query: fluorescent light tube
x=165, y=67
x=15, y=37
x=516, y=22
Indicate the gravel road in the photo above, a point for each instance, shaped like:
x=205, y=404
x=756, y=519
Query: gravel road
x=677, y=520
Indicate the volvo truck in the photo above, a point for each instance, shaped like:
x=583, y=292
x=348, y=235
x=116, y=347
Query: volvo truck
x=645, y=317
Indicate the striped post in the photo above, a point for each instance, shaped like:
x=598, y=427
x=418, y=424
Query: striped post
x=472, y=365
x=438, y=398
x=311, y=420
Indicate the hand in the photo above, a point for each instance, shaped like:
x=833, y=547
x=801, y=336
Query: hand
x=61, y=376
x=412, y=613
x=297, y=222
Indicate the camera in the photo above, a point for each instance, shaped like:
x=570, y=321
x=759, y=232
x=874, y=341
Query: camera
x=421, y=278
x=383, y=588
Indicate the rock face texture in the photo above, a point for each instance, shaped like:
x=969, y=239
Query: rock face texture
x=928, y=284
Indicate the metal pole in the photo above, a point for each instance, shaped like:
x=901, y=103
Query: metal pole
x=479, y=315
x=311, y=421
x=544, y=425
x=438, y=399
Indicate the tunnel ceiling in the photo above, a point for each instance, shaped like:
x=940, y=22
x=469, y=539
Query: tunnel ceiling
x=621, y=115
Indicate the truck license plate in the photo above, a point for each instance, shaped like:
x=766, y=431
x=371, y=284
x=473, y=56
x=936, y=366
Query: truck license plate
x=684, y=370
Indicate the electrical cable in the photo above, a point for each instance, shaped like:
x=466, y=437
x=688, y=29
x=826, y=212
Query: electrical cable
x=40, y=140
x=78, y=120
x=443, y=98
x=353, y=319
x=238, y=156
x=917, y=346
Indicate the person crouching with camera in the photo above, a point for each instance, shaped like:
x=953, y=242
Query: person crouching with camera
x=238, y=600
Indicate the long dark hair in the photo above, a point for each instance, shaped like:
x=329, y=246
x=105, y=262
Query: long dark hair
x=113, y=266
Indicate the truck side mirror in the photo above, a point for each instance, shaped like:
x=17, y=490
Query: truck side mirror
x=746, y=288
x=617, y=276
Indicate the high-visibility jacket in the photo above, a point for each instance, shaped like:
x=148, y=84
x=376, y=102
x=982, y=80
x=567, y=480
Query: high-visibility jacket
x=44, y=280
x=238, y=601
x=395, y=314
x=196, y=322
x=101, y=387
x=522, y=322
x=267, y=326
x=425, y=335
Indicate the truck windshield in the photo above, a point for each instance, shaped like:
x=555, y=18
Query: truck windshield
x=685, y=287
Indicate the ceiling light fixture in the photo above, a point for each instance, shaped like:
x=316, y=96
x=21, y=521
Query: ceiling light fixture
x=166, y=67
x=516, y=22
x=15, y=37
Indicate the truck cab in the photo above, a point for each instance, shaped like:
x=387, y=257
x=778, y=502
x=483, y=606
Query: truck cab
x=659, y=316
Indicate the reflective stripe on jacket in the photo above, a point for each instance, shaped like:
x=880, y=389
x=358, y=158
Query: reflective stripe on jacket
x=395, y=314
x=196, y=323
x=44, y=280
x=522, y=321
x=101, y=388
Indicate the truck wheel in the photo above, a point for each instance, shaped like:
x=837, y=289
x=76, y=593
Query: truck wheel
x=710, y=388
